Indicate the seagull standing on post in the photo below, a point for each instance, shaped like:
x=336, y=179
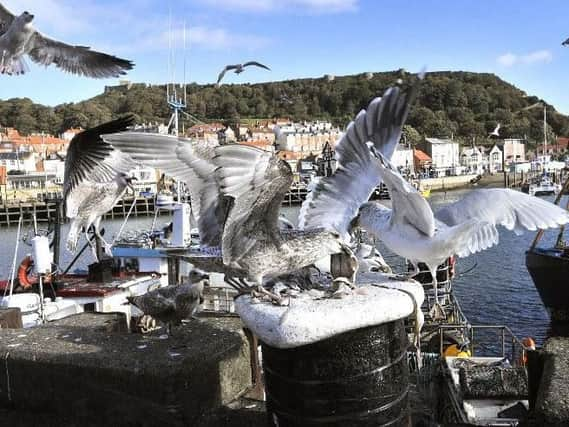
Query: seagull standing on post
x=239, y=68
x=18, y=38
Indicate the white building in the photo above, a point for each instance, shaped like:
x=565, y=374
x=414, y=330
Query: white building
x=514, y=150
x=18, y=161
x=495, y=159
x=403, y=159
x=474, y=159
x=444, y=154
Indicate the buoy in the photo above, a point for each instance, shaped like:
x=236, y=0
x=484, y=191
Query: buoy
x=26, y=277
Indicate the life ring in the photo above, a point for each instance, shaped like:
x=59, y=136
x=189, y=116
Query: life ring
x=26, y=277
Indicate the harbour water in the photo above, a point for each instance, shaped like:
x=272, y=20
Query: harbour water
x=493, y=286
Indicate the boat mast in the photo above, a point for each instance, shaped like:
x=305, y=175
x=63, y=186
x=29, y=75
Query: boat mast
x=544, y=130
x=176, y=103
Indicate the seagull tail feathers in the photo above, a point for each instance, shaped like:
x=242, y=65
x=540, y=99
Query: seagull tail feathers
x=13, y=66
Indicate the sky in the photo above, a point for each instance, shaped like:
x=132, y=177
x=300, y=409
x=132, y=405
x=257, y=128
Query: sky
x=518, y=40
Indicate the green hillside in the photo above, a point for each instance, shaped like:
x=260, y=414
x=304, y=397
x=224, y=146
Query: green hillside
x=461, y=104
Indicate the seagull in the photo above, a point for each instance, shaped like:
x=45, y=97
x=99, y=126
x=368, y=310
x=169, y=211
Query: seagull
x=565, y=43
x=18, y=38
x=94, y=179
x=495, y=131
x=239, y=68
x=174, y=303
x=411, y=229
x=236, y=193
x=333, y=202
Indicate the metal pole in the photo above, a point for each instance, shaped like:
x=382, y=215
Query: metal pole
x=15, y=256
x=42, y=310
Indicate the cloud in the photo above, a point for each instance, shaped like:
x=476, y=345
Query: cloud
x=296, y=6
x=205, y=37
x=539, y=56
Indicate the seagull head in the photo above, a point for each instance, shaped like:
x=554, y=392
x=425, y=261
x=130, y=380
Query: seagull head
x=196, y=275
x=26, y=17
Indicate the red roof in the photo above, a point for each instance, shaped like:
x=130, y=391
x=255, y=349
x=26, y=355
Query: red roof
x=563, y=142
x=420, y=156
x=289, y=155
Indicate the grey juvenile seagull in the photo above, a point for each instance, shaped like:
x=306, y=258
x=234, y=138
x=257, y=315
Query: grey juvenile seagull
x=94, y=179
x=18, y=38
x=239, y=68
x=413, y=231
x=174, y=303
x=236, y=193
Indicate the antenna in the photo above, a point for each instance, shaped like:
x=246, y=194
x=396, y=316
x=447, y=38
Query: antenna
x=176, y=104
x=185, y=91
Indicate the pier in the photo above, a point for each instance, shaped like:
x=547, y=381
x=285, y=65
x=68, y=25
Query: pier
x=11, y=211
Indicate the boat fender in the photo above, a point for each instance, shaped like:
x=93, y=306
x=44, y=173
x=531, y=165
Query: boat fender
x=451, y=265
x=529, y=344
x=26, y=277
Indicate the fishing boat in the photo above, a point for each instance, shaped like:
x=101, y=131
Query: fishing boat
x=549, y=270
x=544, y=186
x=470, y=374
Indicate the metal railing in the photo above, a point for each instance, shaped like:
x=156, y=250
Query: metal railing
x=508, y=345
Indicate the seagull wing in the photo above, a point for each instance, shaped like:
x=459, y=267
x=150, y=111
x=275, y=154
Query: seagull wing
x=257, y=64
x=225, y=70
x=257, y=181
x=91, y=159
x=334, y=201
x=76, y=59
x=408, y=205
x=184, y=160
x=6, y=18
x=498, y=206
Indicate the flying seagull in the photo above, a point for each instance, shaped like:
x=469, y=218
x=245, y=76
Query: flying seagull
x=236, y=193
x=565, y=43
x=495, y=131
x=239, y=68
x=411, y=229
x=94, y=179
x=18, y=38
x=333, y=201
x=174, y=303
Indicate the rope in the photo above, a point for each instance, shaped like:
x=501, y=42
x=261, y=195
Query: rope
x=13, y=275
x=8, y=389
x=125, y=221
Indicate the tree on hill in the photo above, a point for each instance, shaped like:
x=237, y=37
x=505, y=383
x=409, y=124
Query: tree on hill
x=461, y=104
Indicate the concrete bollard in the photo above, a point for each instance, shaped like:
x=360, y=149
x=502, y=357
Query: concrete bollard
x=336, y=361
x=358, y=378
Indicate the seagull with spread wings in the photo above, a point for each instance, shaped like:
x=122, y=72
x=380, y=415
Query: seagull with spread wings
x=95, y=178
x=18, y=38
x=413, y=231
x=236, y=190
x=496, y=131
x=239, y=68
x=236, y=193
x=333, y=201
